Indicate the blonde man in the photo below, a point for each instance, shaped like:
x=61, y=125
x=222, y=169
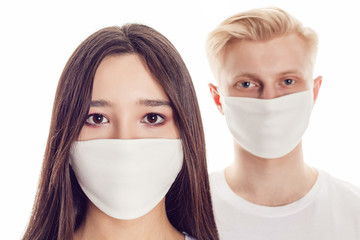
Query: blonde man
x=263, y=62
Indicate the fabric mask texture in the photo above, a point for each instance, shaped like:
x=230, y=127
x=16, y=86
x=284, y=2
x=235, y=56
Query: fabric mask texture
x=126, y=178
x=268, y=128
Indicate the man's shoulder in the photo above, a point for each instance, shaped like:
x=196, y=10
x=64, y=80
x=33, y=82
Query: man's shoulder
x=217, y=178
x=337, y=184
x=340, y=190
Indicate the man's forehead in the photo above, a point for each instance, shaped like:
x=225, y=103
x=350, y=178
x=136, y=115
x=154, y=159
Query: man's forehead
x=275, y=57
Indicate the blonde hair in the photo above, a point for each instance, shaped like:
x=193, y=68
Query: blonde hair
x=257, y=25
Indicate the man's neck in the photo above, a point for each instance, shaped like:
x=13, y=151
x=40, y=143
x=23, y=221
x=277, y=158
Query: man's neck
x=153, y=225
x=270, y=182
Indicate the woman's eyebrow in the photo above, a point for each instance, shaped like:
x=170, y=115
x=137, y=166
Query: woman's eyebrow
x=154, y=103
x=100, y=103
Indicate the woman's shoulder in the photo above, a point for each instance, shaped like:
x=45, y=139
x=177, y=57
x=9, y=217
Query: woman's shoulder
x=188, y=237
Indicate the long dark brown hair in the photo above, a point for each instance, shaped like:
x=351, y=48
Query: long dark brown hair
x=60, y=205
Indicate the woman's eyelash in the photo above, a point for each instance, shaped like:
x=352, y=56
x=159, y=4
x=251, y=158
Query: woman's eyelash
x=96, y=119
x=153, y=119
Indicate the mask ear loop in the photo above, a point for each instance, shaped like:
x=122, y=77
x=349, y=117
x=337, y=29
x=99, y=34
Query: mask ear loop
x=221, y=95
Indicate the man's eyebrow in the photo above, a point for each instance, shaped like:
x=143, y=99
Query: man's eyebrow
x=290, y=72
x=154, y=103
x=247, y=75
x=100, y=103
x=255, y=76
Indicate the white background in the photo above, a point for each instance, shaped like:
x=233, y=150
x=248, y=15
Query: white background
x=37, y=38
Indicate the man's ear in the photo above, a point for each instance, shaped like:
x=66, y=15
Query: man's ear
x=216, y=97
x=317, y=84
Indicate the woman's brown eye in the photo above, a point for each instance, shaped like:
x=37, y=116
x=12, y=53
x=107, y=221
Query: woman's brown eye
x=153, y=119
x=96, y=119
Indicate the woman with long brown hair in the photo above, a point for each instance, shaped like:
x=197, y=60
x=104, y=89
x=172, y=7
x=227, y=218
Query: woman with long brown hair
x=125, y=156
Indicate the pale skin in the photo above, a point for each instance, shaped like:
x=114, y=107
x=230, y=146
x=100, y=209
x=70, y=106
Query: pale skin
x=266, y=70
x=127, y=103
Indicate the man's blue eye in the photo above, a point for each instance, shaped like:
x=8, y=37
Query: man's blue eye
x=245, y=84
x=289, y=81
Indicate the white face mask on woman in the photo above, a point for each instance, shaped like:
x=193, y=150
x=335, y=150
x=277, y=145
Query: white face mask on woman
x=126, y=178
x=268, y=128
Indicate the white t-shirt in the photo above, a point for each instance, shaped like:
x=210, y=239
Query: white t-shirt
x=330, y=210
x=188, y=237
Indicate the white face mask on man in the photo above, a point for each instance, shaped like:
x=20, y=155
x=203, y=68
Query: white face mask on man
x=126, y=178
x=268, y=128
